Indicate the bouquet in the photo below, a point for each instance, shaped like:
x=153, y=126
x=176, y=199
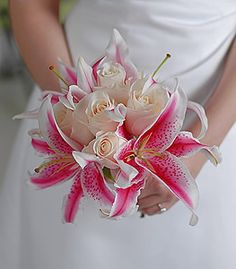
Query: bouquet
x=109, y=129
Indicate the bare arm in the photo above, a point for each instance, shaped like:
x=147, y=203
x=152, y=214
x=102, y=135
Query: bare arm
x=221, y=113
x=40, y=38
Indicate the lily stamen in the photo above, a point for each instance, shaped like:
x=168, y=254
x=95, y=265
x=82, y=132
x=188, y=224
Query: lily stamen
x=56, y=72
x=161, y=64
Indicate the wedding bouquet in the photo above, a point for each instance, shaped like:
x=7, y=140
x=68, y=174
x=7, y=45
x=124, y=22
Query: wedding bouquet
x=109, y=129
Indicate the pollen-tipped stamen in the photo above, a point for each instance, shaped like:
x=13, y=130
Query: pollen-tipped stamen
x=161, y=64
x=56, y=72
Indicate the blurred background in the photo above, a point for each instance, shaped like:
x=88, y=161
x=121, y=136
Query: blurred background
x=15, y=82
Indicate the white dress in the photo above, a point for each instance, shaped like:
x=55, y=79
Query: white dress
x=198, y=34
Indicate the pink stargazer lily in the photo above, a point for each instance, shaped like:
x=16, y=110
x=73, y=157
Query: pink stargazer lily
x=158, y=150
x=50, y=141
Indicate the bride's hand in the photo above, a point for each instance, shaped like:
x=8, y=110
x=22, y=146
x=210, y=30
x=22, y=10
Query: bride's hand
x=156, y=198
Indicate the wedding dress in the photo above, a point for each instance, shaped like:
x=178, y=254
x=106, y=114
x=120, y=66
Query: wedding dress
x=198, y=34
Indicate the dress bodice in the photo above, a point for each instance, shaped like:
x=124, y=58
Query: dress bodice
x=197, y=33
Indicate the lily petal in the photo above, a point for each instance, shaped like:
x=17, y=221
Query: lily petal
x=51, y=131
x=41, y=146
x=118, y=52
x=199, y=110
x=126, y=200
x=95, y=68
x=95, y=186
x=172, y=172
x=84, y=75
x=72, y=200
x=53, y=172
x=129, y=171
x=162, y=132
x=186, y=145
x=33, y=114
x=68, y=73
x=83, y=159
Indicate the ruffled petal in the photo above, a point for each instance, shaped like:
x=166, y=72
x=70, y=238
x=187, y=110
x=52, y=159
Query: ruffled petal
x=85, y=76
x=125, y=202
x=72, y=200
x=117, y=51
x=186, y=145
x=172, y=172
x=95, y=186
x=165, y=128
x=199, y=110
x=53, y=172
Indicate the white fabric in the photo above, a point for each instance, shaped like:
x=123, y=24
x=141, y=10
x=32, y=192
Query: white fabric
x=198, y=35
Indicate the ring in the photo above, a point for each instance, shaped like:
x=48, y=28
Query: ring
x=162, y=209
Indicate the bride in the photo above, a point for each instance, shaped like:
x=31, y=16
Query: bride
x=201, y=37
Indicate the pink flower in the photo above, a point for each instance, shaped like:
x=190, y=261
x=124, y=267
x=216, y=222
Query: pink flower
x=158, y=150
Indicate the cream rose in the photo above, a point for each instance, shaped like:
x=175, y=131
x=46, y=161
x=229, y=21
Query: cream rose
x=105, y=145
x=110, y=74
x=144, y=105
x=99, y=112
x=71, y=126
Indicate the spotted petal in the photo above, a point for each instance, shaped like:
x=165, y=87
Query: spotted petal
x=126, y=200
x=186, y=145
x=172, y=172
x=72, y=200
x=41, y=146
x=118, y=52
x=165, y=128
x=54, y=171
x=95, y=186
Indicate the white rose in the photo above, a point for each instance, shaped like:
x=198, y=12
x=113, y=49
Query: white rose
x=71, y=126
x=110, y=74
x=144, y=105
x=99, y=113
x=105, y=145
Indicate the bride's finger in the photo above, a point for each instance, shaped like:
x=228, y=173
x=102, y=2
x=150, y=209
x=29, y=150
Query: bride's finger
x=149, y=201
